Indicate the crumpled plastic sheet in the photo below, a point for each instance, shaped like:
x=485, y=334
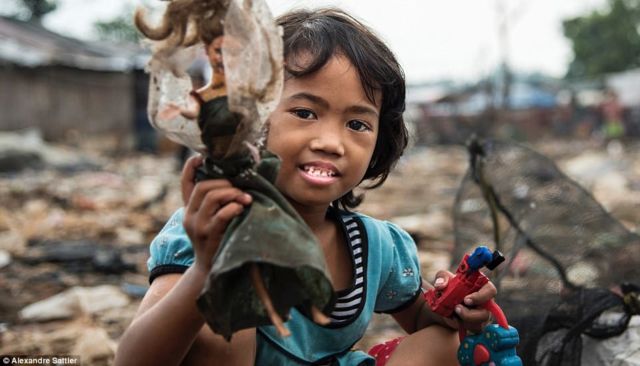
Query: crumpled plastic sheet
x=622, y=350
x=169, y=83
x=252, y=53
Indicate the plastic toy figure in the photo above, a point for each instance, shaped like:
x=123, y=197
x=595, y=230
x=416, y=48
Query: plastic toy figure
x=268, y=248
x=468, y=279
x=495, y=345
x=209, y=106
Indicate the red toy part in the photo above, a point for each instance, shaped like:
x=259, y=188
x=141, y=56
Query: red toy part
x=481, y=355
x=465, y=282
x=382, y=352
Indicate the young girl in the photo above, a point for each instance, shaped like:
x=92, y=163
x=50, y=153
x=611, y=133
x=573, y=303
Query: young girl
x=339, y=123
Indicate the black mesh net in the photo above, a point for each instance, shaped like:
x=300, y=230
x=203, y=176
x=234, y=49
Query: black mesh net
x=564, y=251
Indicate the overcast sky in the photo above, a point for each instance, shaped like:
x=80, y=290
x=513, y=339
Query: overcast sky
x=433, y=39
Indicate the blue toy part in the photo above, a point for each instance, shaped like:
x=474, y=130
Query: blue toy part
x=495, y=346
x=480, y=257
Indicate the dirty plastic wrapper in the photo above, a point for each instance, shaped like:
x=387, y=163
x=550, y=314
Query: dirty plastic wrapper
x=269, y=233
x=252, y=54
x=169, y=83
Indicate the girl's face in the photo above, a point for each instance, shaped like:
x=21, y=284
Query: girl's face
x=324, y=129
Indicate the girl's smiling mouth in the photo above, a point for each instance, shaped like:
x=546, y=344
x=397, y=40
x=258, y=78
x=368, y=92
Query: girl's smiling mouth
x=319, y=173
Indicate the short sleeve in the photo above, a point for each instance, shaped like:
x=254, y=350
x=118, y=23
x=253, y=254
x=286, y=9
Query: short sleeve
x=402, y=285
x=170, y=251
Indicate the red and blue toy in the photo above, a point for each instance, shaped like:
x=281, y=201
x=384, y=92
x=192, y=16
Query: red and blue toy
x=495, y=345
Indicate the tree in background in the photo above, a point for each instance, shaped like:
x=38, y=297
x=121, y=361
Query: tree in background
x=34, y=10
x=119, y=29
x=605, y=41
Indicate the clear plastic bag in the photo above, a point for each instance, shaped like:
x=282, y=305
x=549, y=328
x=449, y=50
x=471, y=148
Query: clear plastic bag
x=170, y=84
x=252, y=53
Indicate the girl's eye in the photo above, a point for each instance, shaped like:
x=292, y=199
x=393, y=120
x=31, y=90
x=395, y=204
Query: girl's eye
x=358, y=125
x=304, y=114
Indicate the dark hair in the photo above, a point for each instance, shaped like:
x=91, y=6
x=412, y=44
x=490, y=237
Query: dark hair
x=324, y=32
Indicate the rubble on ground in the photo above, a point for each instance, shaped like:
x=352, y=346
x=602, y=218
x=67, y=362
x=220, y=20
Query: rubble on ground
x=80, y=223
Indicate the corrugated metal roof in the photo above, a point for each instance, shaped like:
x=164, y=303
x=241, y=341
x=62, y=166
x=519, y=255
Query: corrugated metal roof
x=29, y=44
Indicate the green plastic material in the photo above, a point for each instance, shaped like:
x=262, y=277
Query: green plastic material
x=269, y=233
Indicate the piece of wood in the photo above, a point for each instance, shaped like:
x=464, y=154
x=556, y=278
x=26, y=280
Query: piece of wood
x=258, y=284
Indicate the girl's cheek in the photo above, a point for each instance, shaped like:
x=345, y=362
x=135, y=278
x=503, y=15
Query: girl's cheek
x=274, y=136
x=275, y=129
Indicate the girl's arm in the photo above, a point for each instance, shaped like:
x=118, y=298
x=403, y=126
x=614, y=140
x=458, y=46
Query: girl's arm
x=419, y=316
x=168, y=326
x=168, y=329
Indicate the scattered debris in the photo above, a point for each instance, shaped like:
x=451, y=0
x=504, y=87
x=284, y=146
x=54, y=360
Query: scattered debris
x=622, y=350
x=78, y=256
x=77, y=300
x=71, y=231
x=133, y=290
x=424, y=227
x=26, y=150
x=5, y=258
x=95, y=346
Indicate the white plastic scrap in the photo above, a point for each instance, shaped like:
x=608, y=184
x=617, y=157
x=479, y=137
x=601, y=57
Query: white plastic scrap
x=252, y=53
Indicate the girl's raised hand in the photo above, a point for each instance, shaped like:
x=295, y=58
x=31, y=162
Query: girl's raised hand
x=471, y=315
x=209, y=207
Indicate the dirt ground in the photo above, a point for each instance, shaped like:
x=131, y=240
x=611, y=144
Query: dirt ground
x=76, y=227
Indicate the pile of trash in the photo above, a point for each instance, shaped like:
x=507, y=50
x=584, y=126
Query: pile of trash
x=75, y=225
x=76, y=222
x=572, y=270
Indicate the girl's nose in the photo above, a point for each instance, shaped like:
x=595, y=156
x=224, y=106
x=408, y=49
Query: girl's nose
x=328, y=142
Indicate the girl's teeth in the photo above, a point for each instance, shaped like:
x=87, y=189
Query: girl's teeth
x=318, y=172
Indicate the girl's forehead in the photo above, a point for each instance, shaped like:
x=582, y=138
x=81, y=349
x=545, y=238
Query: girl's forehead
x=338, y=76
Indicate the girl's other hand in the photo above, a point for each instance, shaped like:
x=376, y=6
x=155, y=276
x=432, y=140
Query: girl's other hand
x=470, y=315
x=210, y=206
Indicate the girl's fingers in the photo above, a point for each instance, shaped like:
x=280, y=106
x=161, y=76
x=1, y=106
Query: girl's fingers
x=198, y=220
x=207, y=235
x=205, y=224
x=201, y=189
x=218, y=223
x=486, y=293
x=442, y=279
x=217, y=198
x=473, y=319
x=187, y=178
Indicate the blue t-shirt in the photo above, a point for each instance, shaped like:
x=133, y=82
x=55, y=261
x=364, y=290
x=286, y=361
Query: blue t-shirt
x=386, y=279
